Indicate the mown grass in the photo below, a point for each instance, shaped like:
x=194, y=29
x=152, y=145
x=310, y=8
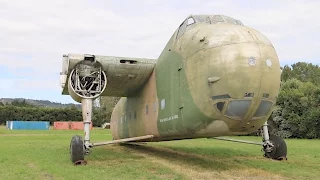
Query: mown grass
x=45, y=155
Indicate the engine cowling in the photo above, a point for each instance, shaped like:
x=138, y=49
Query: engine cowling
x=87, y=80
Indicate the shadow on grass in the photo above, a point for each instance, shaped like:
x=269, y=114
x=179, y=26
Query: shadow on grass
x=216, y=152
x=188, y=159
x=111, y=153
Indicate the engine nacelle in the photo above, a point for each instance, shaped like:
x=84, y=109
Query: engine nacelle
x=87, y=80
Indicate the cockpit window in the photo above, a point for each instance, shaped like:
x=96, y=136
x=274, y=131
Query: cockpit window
x=182, y=29
x=238, y=108
x=263, y=109
x=190, y=21
x=208, y=19
x=203, y=18
x=216, y=19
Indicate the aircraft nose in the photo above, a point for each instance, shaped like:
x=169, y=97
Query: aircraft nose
x=239, y=70
x=234, y=73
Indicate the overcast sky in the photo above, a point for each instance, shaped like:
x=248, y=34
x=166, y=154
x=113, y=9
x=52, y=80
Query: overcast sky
x=35, y=33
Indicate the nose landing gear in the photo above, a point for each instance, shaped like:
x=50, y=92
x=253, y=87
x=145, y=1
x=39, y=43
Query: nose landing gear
x=273, y=146
x=276, y=149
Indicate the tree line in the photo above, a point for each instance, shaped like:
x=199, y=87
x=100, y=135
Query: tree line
x=297, y=111
x=22, y=111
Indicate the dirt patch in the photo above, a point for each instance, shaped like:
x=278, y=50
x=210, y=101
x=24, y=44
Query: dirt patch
x=31, y=165
x=202, y=167
x=166, y=176
x=42, y=175
x=47, y=176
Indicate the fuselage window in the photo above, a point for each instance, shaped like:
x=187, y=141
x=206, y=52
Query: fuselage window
x=163, y=104
x=147, y=109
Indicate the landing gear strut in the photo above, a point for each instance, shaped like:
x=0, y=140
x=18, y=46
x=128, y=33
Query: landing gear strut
x=87, y=116
x=273, y=146
x=86, y=82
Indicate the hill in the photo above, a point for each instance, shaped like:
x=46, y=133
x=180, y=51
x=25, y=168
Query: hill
x=40, y=103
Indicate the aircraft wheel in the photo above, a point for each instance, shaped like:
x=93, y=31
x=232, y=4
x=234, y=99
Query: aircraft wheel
x=279, y=150
x=77, y=149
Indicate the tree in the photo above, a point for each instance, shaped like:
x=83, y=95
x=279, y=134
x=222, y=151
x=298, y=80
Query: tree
x=286, y=73
x=22, y=103
x=102, y=111
x=305, y=72
x=297, y=113
x=11, y=112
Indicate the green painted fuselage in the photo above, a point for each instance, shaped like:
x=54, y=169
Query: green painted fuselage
x=210, y=80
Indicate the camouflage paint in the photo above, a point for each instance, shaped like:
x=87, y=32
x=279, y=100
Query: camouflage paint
x=132, y=110
x=180, y=77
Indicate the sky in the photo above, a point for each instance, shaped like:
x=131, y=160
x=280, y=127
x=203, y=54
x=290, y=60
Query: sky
x=34, y=34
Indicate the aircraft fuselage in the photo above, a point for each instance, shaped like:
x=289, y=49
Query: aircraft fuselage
x=211, y=79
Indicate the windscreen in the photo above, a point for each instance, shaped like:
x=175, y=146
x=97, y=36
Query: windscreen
x=238, y=109
x=263, y=109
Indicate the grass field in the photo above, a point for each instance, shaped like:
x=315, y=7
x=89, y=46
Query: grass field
x=45, y=155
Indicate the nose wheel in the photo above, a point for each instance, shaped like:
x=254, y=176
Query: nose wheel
x=278, y=150
x=273, y=146
x=77, y=150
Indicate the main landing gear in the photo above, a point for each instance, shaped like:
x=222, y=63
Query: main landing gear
x=77, y=150
x=86, y=82
x=79, y=147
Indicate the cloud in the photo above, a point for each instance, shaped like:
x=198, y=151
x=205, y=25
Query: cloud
x=27, y=84
x=34, y=34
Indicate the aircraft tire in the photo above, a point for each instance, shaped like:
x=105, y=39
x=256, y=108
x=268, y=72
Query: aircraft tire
x=76, y=149
x=279, y=151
